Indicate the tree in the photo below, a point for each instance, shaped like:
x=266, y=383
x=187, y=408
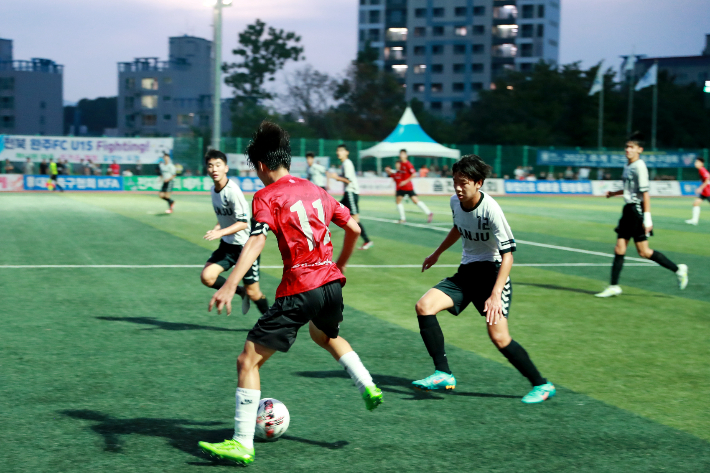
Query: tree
x=96, y=114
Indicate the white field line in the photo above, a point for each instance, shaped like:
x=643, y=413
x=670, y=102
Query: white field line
x=525, y=242
x=178, y=266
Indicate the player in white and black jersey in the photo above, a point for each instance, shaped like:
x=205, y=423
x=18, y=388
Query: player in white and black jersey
x=167, y=177
x=636, y=219
x=482, y=279
x=232, y=229
x=316, y=171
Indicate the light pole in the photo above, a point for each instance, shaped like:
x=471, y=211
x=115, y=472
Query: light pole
x=217, y=93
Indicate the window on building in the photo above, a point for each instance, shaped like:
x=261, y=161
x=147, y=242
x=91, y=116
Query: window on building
x=437, y=88
x=437, y=68
x=149, y=101
x=457, y=105
x=437, y=12
x=166, y=98
x=541, y=11
x=460, y=30
x=437, y=49
x=374, y=2
x=420, y=13
x=419, y=32
x=363, y=2
x=459, y=49
x=553, y=42
x=130, y=121
x=526, y=67
x=7, y=83
x=150, y=120
x=478, y=30
x=460, y=11
x=477, y=48
x=419, y=68
x=476, y=85
x=527, y=31
x=457, y=87
x=477, y=67
x=167, y=80
x=419, y=50
x=7, y=121
x=128, y=102
x=459, y=68
x=528, y=11
x=373, y=34
x=526, y=50
x=204, y=120
x=374, y=16
x=540, y=30
x=479, y=11
x=130, y=83
x=149, y=83
x=506, y=12
x=362, y=17
x=505, y=31
x=7, y=103
x=43, y=105
x=185, y=119
x=167, y=117
x=397, y=34
x=42, y=120
x=505, y=50
x=435, y=105
x=437, y=31
x=400, y=70
x=418, y=87
x=361, y=36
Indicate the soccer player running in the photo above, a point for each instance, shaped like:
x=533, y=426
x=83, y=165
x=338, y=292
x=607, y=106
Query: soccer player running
x=316, y=171
x=53, y=173
x=351, y=198
x=167, y=175
x=703, y=191
x=405, y=186
x=232, y=231
x=635, y=221
x=482, y=279
x=298, y=213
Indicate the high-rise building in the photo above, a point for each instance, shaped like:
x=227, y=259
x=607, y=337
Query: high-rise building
x=173, y=97
x=682, y=70
x=31, y=101
x=445, y=51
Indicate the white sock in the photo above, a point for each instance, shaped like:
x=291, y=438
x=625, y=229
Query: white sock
x=423, y=206
x=400, y=207
x=357, y=371
x=696, y=213
x=245, y=416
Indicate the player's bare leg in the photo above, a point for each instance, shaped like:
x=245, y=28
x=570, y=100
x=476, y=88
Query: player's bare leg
x=696, y=212
x=431, y=303
x=343, y=353
x=425, y=209
x=680, y=270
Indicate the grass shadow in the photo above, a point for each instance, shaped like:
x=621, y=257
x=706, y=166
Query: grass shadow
x=172, y=326
x=581, y=291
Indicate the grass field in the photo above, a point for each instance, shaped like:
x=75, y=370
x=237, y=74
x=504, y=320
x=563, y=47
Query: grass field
x=123, y=369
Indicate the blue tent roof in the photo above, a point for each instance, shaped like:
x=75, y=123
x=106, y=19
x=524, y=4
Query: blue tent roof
x=408, y=131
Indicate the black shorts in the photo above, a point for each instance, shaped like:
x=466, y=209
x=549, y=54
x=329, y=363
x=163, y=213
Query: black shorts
x=473, y=283
x=351, y=201
x=167, y=186
x=227, y=255
x=408, y=193
x=53, y=177
x=704, y=197
x=277, y=329
x=631, y=224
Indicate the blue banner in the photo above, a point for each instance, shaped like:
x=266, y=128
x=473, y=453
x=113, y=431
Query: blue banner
x=548, y=187
x=612, y=159
x=689, y=187
x=76, y=183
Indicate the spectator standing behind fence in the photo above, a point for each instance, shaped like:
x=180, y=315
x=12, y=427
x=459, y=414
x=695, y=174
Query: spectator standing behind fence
x=67, y=168
x=8, y=168
x=600, y=174
x=29, y=167
x=569, y=173
x=115, y=169
x=43, y=167
x=139, y=169
x=583, y=174
x=423, y=171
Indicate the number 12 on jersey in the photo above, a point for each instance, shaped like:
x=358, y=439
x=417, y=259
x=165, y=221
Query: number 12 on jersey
x=300, y=210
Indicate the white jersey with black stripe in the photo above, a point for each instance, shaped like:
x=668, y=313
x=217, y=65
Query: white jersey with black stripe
x=635, y=179
x=231, y=207
x=485, y=233
x=348, y=172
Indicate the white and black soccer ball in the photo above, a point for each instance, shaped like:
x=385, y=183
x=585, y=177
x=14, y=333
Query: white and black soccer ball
x=272, y=419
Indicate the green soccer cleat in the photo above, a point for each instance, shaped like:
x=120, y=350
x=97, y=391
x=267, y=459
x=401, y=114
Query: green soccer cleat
x=682, y=274
x=540, y=393
x=372, y=397
x=230, y=450
x=436, y=382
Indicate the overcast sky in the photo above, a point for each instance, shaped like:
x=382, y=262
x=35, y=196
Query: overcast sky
x=89, y=37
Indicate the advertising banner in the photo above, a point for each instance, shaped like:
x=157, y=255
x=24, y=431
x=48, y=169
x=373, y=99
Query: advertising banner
x=76, y=183
x=656, y=188
x=548, y=187
x=11, y=182
x=76, y=149
x=445, y=186
x=238, y=161
x=688, y=187
x=613, y=159
x=187, y=184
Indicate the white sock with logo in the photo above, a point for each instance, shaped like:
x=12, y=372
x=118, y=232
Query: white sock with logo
x=357, y=371
x=696, y=213
x=400, y=207
x=245, y=416
x=423, y=206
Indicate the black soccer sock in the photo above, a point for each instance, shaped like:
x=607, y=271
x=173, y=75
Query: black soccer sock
x=616, y=269
x=660, y=258
x=434, y=341
x=262, y=304
x=363, y=233
x=165, y=199
x=219, y=282
x=170, y=201
x=519, y=358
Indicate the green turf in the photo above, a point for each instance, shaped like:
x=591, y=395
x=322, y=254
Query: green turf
x=124, y=370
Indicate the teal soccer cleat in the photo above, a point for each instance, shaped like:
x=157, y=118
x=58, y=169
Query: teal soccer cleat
x=436, y=382
x=540, y=393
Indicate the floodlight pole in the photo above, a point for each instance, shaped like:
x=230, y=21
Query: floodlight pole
x=217, y=93
x=654, y=119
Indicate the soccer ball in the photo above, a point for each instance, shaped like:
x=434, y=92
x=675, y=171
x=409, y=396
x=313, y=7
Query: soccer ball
x=272, y=419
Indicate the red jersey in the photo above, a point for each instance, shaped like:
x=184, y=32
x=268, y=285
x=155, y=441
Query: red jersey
x=298, y=213
x=704, y=176
x=407, y=170
x=115, y=169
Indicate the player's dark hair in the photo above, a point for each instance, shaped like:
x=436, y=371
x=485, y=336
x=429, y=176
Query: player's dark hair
x=310, y=154
x=473, y=167
x=215, y=154
x=700, y=159
x=402, y=150
x=638, y=138
x=343, y=145
x=270, y=145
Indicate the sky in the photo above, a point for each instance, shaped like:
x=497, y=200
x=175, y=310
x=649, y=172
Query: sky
x=89, y=37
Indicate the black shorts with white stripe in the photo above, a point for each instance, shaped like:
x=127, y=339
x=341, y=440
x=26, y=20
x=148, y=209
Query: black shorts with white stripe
x=351, y=200
x=473, y=283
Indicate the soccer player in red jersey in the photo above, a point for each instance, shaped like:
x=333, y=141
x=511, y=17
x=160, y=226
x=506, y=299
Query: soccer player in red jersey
x=298, y=213
x=405, y=186
x=703, y=191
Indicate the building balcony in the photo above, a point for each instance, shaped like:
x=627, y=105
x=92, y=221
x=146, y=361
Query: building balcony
x=34, y=65
x=500, y=3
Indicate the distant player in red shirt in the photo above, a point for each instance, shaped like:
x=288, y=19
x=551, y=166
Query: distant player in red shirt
x=403, y=178
x=703, y=191
x=115, y=169
x=298, y=213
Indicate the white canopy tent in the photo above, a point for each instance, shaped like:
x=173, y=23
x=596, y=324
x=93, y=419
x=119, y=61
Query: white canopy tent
x=408, y=135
